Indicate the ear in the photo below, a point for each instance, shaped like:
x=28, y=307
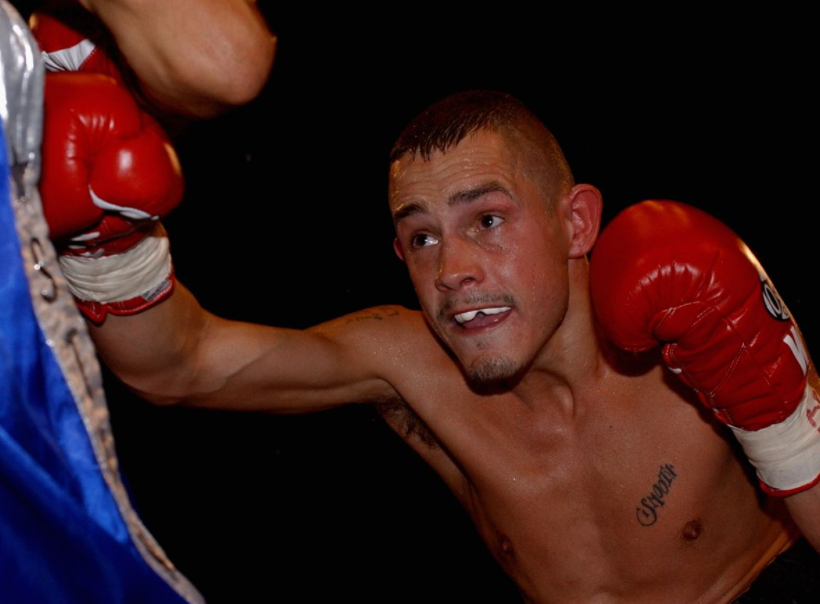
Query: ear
x=585, y=205
x=397, y=249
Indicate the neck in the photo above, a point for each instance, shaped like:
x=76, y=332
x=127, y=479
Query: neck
x=573, y=362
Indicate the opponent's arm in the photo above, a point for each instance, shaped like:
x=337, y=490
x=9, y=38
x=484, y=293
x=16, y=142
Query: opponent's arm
x=199, y=57
x=668, y=274
x=193, y=57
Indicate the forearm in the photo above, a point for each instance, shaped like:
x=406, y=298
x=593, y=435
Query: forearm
x=196, y=57
x=155, y=352
x=805, y=510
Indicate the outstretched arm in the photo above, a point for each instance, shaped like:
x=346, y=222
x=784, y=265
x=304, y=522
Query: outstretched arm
x=176, y=352
x=108, y=175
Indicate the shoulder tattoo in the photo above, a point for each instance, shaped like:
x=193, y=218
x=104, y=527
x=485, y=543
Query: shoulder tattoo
x=374, y=314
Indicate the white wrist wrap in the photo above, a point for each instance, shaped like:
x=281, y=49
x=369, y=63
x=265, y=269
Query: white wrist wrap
x=125, y=276
x=787, y=454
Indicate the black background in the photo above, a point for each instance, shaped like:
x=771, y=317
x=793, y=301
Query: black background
x=257, y=508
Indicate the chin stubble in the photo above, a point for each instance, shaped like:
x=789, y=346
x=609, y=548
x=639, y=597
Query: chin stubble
x=492, y=371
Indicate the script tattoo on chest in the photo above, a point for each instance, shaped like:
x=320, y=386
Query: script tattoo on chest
x=647, y=511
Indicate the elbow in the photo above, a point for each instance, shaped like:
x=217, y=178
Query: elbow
x=248, y=74
x=158, y=400
x=206, y=84
x=162, y=387
x=158, y=393
x=236, y=76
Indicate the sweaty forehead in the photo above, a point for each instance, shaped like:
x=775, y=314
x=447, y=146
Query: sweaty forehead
x=482, y=157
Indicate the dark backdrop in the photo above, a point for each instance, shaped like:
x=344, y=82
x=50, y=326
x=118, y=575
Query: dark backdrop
x=256, y=508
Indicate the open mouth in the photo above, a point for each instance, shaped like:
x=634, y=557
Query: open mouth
x=482, y=317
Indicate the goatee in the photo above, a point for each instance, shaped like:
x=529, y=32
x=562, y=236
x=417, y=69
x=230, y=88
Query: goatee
x=493, y=372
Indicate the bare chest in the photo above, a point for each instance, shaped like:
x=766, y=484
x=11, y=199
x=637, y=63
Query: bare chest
x=629, y=495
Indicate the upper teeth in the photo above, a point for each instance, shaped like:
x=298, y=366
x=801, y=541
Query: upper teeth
x=471, y=314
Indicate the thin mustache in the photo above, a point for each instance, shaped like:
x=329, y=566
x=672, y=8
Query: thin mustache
x=474, y=299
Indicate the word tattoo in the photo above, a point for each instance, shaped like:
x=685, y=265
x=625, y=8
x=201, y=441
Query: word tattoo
x=376, y=314
x=647, y=513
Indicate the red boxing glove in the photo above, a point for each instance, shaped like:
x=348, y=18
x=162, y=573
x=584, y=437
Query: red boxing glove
x=72, y=39
x=667, y=273
x=109, y=173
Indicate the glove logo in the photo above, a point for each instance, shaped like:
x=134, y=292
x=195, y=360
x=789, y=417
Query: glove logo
x=774, y=305
x=776, y=308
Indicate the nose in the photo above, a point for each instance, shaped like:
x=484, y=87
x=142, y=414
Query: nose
x=458, y=265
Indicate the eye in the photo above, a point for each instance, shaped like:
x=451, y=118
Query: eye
x=423, y=240
x=490, y=221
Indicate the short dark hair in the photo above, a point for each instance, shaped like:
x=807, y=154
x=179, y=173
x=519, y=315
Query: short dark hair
x=446, y=123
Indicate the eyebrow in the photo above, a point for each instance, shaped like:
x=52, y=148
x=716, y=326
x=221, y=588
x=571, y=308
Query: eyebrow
x=407, y=210
x=460, y=197
x=473, y=194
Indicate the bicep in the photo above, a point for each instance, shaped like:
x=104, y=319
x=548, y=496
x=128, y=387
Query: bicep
x=357, y=358
x=178, y=353
x=254, y=367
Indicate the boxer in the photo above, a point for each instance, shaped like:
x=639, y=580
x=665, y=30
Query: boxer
x=589, y=472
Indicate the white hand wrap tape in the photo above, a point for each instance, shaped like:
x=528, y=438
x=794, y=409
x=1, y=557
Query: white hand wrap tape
x=125, y=276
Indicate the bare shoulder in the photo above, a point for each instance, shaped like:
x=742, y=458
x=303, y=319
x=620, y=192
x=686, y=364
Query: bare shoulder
x=395, y=341
x=378, y=319
x=398, y=345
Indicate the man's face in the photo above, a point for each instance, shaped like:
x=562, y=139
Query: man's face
x=487, y=256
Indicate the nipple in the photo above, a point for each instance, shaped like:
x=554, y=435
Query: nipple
x=692, y=530
x=505, y=545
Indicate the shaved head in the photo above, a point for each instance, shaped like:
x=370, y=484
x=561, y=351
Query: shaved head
x=446, y=123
